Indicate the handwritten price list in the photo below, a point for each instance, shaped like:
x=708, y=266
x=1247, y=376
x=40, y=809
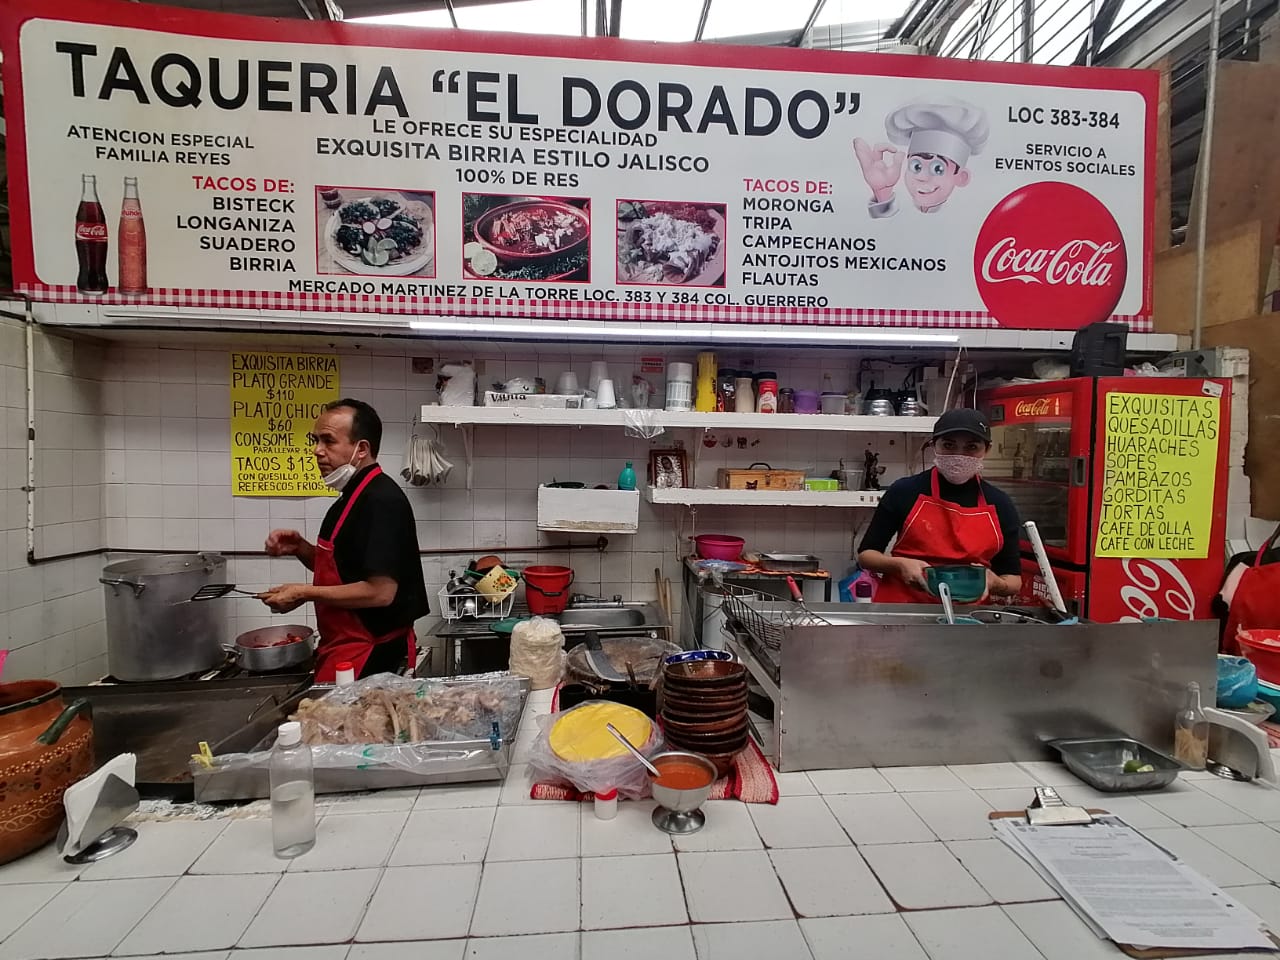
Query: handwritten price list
x=275, y=399
x=1158, y=476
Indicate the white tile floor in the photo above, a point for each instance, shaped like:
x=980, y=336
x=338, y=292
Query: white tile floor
x=885, y=864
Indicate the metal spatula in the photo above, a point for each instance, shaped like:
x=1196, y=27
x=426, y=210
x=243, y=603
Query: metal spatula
x=212, y=591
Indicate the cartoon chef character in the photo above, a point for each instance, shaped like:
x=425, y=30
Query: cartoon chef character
x=938, y=137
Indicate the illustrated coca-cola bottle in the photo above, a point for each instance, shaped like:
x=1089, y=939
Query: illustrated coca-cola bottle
x=91, y=238
x=133, y=241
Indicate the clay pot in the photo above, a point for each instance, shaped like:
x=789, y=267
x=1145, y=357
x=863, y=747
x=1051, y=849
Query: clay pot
x=45, y=747
x=705, y=673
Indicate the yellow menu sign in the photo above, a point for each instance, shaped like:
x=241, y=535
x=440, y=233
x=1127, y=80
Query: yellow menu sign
x=1160, y=454
x=275, y=399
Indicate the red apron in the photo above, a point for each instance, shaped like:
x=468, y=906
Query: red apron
x=940, y=532
x=343, y=635
x=1256, y=602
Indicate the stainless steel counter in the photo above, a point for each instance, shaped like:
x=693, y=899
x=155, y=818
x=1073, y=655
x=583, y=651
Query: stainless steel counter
x=900, y=689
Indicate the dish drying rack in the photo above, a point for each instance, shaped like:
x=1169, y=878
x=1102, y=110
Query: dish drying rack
x=455, y=606
x=765, y=617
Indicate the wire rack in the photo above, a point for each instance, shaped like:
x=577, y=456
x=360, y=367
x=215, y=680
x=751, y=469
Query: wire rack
x=766, y=618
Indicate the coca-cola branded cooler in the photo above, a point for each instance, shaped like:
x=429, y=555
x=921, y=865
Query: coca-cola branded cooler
x=1050, y=452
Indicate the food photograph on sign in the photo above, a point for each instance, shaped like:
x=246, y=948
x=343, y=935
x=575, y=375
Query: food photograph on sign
x=526, y=238
x=372, y=232
x=673, y=242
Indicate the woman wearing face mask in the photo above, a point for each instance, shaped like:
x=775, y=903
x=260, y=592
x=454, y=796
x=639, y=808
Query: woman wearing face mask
x=945, y=516
x=367, y=583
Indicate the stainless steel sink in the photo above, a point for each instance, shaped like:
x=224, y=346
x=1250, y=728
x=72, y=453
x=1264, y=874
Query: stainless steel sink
x=615, y=617
x=627, y=616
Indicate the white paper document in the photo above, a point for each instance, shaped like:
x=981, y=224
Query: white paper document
x=1130, y=890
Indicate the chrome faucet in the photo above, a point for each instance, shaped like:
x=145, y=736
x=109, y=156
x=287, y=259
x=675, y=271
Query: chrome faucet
x=584, y=600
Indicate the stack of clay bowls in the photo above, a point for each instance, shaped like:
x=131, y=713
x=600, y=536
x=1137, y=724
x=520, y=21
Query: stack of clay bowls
x=704, y=709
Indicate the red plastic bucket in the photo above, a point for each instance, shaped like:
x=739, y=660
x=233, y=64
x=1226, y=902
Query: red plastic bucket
x=546, y=588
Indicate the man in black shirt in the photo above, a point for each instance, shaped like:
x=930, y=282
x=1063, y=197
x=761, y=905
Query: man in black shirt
x=947, y=515
x=367, y=585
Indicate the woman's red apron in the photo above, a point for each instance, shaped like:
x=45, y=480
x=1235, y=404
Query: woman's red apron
x=940, y=532
x=1256, y=602
x=343, y=635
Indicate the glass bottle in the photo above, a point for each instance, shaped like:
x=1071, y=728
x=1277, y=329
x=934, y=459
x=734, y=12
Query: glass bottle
x=293, y=794
x=132, y=241
x=1191, y=731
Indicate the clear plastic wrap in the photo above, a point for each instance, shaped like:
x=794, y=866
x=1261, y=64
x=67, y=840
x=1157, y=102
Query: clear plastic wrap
x=623, y=771
x=537, y=652
x=464, y=724
x=642, y=424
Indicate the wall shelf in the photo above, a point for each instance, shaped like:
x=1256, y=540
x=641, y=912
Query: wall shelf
x=695, y=496
x=506, y=416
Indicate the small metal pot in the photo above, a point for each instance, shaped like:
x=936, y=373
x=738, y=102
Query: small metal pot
x=261, y=651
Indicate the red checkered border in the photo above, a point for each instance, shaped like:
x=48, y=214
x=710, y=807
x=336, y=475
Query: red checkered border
x=535, y=309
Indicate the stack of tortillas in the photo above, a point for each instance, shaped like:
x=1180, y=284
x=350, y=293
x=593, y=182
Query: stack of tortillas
x=581, y=735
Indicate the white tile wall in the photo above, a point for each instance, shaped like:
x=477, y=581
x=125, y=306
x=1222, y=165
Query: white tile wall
x=51, y=615
x=166, y=459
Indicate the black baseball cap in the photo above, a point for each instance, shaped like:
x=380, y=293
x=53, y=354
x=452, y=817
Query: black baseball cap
x=963, y=421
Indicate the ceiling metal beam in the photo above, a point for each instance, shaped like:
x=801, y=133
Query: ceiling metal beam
x=702, y=19
x=808, y=24
x=1098, y=30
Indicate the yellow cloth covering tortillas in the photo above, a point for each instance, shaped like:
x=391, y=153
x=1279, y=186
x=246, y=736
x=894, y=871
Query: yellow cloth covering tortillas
x=581, y=736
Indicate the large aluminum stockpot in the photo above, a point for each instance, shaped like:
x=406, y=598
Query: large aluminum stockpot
x=153, y=632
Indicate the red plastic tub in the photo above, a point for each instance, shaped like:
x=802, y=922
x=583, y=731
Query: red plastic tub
x=546, y=588
x=718, y=547
x=1262, y=647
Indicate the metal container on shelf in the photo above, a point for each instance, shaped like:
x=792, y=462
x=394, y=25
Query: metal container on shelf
x=152, y=632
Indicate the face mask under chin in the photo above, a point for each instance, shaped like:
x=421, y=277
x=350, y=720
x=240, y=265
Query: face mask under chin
x=340, y=476
x=957, y=468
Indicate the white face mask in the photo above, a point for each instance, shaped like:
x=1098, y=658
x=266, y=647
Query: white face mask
x=340, y=476
x=956, y=467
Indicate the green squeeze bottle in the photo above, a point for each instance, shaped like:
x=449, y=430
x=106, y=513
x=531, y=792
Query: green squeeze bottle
x=627, y=478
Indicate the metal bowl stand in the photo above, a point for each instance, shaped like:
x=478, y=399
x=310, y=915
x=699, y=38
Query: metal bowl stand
x=678, y=822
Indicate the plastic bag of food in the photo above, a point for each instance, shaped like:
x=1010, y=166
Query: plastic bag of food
x=388, y=721
x=574, y=746
x=1237, y=682
x=537, y=652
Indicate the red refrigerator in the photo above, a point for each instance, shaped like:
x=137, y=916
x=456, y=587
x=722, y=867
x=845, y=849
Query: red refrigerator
x=1126, y=479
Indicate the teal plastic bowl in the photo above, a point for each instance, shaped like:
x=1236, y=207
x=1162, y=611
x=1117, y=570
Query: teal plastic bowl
x=967, y=583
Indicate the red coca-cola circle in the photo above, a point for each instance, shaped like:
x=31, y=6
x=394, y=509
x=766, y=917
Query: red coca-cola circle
x=1050, y=256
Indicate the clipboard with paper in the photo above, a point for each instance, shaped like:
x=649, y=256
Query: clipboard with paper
x=1126, y=888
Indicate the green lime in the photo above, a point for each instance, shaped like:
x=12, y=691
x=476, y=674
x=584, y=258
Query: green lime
x=484, y=263
x=469, y=250
x=1137, y=766
x=376, y=257
x=387, y=244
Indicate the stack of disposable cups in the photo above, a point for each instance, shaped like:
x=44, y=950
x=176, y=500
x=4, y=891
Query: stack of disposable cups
x=679, y=387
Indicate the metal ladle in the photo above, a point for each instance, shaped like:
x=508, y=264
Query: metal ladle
x=634, y=752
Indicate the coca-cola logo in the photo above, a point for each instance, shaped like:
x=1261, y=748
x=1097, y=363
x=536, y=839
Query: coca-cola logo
x=1031, y=408
x=1050, y=256
x=95, y=232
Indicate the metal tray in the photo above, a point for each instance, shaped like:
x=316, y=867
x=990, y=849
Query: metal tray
x=1099, y=762
x=790, y=562
x=162, y=722
x=451, y=761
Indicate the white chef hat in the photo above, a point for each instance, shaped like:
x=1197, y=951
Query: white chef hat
x=944, y=127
